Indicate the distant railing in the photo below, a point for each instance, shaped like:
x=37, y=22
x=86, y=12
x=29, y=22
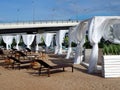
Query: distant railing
x=42, y=22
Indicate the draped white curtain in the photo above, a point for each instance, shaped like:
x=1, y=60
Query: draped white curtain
x=59, y=40
x=28, y=39
x=48, y=37
x=8, y=41
x=72, y=38
x=38, y=40
x=114, y=33
x=95, y=34
x=69, y=52
x=57, y=44
x=80, y=36
x=0, y=38
x=17, y=39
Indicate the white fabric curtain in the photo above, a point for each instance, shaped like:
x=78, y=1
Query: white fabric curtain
x=72, y=38
x=115, y=33
x=59, y=40
x=8, y=41
x=95, y=34
x=0, y=38
x=17, y=39
x=38, y=40
x=48, y=37
x=80, y=36
x=28, y=39
x=69, y=52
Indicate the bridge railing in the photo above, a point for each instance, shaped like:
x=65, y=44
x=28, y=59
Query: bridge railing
x=42, y=22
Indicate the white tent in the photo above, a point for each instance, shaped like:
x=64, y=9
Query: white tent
x=99, y=27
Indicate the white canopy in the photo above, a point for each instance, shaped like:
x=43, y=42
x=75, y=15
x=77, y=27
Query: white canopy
x=100, y=26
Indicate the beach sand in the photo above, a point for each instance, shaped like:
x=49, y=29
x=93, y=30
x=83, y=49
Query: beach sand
x=28, y=79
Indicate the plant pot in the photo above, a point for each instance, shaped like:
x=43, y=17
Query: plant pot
x=111, y=66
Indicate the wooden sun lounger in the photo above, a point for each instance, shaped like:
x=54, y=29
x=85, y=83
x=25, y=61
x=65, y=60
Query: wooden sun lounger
x=19, y=62
x=49, y=67
x=2, y=55
x=21, y=53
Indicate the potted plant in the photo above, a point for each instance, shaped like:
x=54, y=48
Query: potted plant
x=111, y=60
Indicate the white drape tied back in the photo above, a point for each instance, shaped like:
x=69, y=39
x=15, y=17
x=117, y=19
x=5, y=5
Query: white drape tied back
x=69, y=52
x=38, y=40
x=72, y=38
x=59, y=40
x=17, y=39
x=0, y=38
x=95, y=34
x=48, y=37
x=8, y=41
x=28, y=39
x=80, y=36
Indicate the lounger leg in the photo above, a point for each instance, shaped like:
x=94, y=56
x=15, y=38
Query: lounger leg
x=40, y=70
x=72, y=68
x=19, y=66
x=12, y=65
x=48, y=70
x=63, y=68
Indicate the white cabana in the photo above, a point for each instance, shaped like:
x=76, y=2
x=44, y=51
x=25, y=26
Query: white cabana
x=48, y=37
x=59, y=40
x=8, y=41
x=100, y=27
x=28, y=39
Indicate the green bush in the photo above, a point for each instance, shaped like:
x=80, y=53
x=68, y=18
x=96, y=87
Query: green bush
x=111, y=49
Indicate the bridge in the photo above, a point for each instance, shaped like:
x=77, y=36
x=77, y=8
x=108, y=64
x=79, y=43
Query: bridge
x=36, y=27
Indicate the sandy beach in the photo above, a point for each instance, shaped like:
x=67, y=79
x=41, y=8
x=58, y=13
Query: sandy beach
x=28, y=79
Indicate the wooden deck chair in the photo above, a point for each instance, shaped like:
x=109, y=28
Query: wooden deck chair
x=21, y=53
x=45, y=64
x=19, y=62
x=2, y=55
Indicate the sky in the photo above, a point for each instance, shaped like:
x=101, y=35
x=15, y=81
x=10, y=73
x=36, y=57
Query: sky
x=29, y=10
